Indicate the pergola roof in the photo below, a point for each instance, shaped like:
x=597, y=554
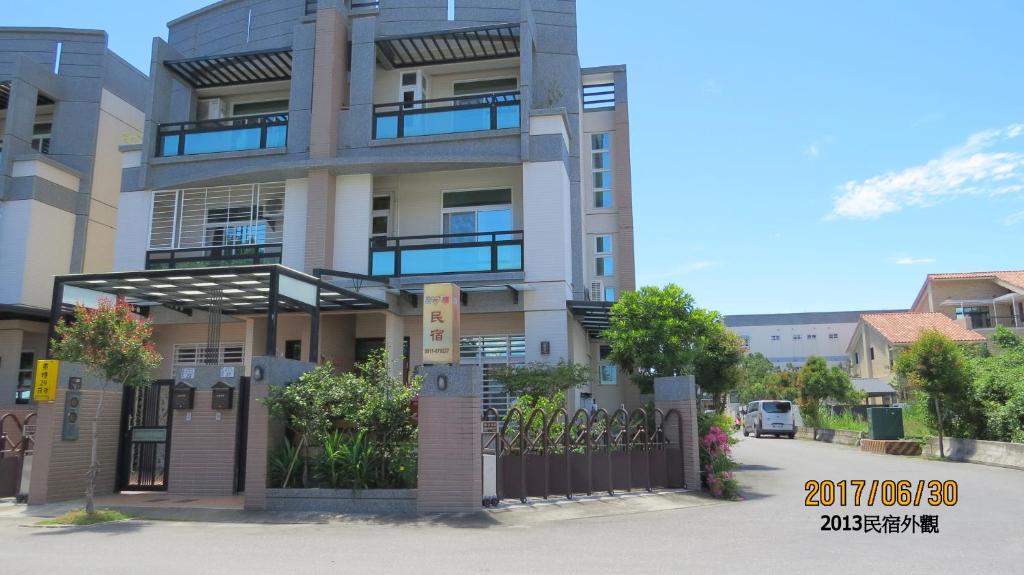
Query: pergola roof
x=235, y=290
x=450, y=46
x=235, y=69
x=595, y=316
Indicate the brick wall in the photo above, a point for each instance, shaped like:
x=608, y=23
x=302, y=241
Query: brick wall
x=691, y=457
x=59, y=467
x=449, y=455
x=203, y=449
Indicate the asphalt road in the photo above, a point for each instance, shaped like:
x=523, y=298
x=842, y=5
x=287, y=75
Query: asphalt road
x=770, y=532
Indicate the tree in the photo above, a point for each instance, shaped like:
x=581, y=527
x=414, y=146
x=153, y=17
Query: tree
x=113, y=345
x=538, y=379
x=999, y=385
x=817, y=382
x=937, y=366
x=654, y=332
x=718, y=365
x=759, y=375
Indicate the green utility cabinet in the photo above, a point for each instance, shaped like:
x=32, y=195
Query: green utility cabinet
x=885, y=423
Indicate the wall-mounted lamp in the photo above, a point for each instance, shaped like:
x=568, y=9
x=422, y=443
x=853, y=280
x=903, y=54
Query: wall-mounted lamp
x=257, y=373
x=442, y=382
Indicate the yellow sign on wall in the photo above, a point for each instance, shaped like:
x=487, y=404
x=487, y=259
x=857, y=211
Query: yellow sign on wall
x=441, y=323
x=45, y=388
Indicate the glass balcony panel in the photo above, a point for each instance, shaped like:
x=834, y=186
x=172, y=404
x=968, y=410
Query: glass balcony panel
x=383, y=263
x=277, y=136
x=226, y=141
x=446, y=260
x=508, y=116
x=169, y=145
x=387, y=127
x=510, y=257
x=446, y=116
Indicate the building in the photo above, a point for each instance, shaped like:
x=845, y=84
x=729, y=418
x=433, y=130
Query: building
x=980, y=300
x=67, y=102
x=353, y=154
x=788, y=339
x=879, y=337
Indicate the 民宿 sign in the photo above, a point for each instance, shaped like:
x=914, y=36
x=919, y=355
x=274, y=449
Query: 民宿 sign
x=441, y=323
x=45, y=388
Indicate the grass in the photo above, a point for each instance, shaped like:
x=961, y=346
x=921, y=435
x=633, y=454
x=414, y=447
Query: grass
x=80, y=517
x=825, y=419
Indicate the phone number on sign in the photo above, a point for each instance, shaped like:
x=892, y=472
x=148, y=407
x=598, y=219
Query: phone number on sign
x=889, y=493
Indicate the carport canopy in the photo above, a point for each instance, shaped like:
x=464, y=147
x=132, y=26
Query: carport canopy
x=232, y=290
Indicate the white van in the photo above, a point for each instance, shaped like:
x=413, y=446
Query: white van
x=773, y=417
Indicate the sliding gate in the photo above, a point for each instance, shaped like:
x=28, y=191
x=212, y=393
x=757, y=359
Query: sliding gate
x=542, y=454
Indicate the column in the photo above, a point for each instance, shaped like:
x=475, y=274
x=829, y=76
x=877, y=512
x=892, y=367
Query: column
x=353, y=208
x=450, y=473
x=394, y=340
x=679, y=394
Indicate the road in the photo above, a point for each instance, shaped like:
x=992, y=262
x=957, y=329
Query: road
x=770, y=532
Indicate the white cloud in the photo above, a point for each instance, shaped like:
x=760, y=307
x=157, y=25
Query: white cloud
x=973, y=168
x=1015, y=218
x=909, y=261
x=813, y=151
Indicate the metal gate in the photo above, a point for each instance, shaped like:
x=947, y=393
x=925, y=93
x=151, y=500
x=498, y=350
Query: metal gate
x=16, y=444
x=145, y=449
x=540, y=455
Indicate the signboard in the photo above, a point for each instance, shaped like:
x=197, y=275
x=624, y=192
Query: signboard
x=45, y=388
x=441, y=323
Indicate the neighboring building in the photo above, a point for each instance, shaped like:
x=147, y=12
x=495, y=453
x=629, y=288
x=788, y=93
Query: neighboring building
x=879, y=337
x=369, y=150
x=980, y=300
x=66, y=105
x=788, y=339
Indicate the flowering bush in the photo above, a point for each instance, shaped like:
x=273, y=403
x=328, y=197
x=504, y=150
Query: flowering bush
x=718, y=463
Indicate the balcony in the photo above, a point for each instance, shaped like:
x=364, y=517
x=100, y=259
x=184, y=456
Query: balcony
x=213, y=257
x=446, y=116
x=224, y=135
x=479, y=252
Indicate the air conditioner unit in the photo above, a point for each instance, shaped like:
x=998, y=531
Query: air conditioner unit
x=211, y=109
x=414, y=88
x=597, y=290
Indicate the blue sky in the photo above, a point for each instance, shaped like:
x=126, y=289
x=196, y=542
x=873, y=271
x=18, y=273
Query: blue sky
x=790, y=155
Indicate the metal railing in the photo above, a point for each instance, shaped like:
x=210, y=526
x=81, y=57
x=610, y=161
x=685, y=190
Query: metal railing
x=446, y=115
x=213, y=257
x=223, y=135
x=479, y=252
x=987, y=322
x=598, y=96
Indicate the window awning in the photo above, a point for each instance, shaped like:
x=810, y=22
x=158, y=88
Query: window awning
x=5, y=96
x=449, y=46
x=234, y=69
x=235, y=290
x=594, y=316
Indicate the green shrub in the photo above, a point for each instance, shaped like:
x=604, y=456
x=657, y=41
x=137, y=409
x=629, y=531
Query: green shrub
x=347, y=460
x=284, y=466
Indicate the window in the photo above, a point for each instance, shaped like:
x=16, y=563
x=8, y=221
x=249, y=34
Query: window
x=484, y=87
x=41, y=134
x=776, y=338
x=601, y=167
x=477, y=211
x=293, y=349
x=980, y=316
x=871, y=353
x=223, y=216
x=797, y=336
x=856, y=358
x=259, y=108
x=607, y=371
x=833, y=336
x=490, y=351
x=194, y=354
x=609, y=294
x=26, y=370
x=380, y=220
x=604, y=261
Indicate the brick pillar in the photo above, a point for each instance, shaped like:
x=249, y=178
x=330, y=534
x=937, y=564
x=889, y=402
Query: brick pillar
x=449, y=440
x=257, y=446
x=680, y=393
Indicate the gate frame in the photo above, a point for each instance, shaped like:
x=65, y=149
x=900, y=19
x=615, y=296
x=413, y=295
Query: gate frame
x=124, y=443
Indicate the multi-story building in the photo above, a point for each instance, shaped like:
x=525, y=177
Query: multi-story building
x=979, y=300
x=879, y=338
x=67, y=103
x=788, y=339
x=355, y=151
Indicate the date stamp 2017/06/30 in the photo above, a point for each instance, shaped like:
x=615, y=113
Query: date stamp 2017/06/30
x=888, y=493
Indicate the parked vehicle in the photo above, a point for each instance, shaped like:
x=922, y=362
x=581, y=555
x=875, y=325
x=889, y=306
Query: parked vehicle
x=769, y=417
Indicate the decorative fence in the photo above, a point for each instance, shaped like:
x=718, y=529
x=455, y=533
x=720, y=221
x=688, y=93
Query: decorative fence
x=16, y=442
x=540, y=454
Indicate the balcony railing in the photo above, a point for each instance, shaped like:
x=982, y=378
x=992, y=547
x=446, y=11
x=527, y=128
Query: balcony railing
x=446, y=116
x=213, y=257
x=224, y=135
x=989, y=322
x=480, y=252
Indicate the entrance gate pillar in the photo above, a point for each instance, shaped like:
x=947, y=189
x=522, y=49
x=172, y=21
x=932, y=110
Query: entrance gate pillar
x=450, y=468
x=680, y=394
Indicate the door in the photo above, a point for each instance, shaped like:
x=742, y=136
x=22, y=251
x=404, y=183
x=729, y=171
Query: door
x=146, y=437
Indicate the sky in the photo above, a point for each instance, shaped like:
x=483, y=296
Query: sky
x=787, y=156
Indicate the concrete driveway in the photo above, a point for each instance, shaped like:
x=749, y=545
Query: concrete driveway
x=770, y=532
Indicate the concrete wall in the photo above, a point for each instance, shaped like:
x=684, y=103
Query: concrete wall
x=59, y=467
x=165, y=337
x=864, y=340
x=36, y=243
x=996, y=453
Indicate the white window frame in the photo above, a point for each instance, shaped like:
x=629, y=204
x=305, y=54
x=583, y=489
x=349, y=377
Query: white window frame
x=511, y=206
x=608, y=168
x=389, y=213
x=606, y=255
x=200, y=348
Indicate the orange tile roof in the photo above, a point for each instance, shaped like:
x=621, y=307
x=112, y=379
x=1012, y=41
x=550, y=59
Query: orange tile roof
x=1014, y=278
x=907, y=327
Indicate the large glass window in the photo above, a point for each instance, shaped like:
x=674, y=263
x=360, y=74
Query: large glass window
x=223, y=216
x=980, y=316
x=477, y=211
x=601, y=166
x=604, y=260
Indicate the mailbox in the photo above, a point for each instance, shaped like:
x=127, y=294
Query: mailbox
x=223, y=394
x=183, y=395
